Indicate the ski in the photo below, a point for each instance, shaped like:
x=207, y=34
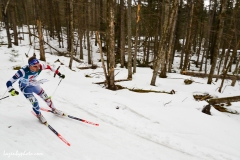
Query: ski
x=54, y=131
x=72, y=117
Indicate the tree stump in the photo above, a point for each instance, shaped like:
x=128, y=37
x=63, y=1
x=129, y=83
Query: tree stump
x=207, y=109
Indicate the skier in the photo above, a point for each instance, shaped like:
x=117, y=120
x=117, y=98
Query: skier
x=27, y=83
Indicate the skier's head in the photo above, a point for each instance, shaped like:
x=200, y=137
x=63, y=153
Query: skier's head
x=33, y=64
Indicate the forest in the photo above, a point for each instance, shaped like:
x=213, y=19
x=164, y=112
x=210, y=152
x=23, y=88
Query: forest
x=133, y=33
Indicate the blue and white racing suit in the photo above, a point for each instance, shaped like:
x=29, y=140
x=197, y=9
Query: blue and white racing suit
x=28, y=85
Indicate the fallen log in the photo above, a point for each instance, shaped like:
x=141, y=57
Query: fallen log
x=148, y=91
x=213, y=101
x=88, y=67
x=223, y=100
x=120, y=80
x=203, y=75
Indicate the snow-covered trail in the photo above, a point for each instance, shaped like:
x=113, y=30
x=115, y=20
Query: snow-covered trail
x=129, y=132
x=25, y=133
x=145, y=126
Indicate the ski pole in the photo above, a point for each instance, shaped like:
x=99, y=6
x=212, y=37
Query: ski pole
x=56, y=87
x=56, y=71
x=4, y=97
x=58, y=83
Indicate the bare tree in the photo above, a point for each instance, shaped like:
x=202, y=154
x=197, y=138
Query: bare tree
x=71, y=32
x=187, y=47
x=14, y=23
x=27, y=20
x=161, y=56
x=129, y=24
x=111, y=84
x=122, y=35
x=229, y=65
x=87, y=32
x=101, y=55
x=136, y=36
x=5, y=18
x=39, y=29
x=218, y=40
x=173, y=21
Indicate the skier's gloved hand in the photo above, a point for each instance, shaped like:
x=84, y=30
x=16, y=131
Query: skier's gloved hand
x=13, y=92
x=61, y=75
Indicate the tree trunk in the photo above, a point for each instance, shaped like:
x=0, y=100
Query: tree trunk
x=223, y=100
x=129, y=24
x=236, y=71
x=80, y=34
x=101, y=55
x=39, y=29
x=41, y=40
x=201, y=36
x=58, y=25
x=137, y=35
x=160, y=59
x=71, y=35
x=111, y=84
x=177, y=45
x=203, y=55
x=164, y=47
x=221, y=58
x=122, y=35
x=145, y=55
x=182, y=54
x=213, y=27
x=218, y=40
x=173, y=21
x=5, y=18
x=27, y=20
x=229, y=65
x=14, y=24
x=187, y=48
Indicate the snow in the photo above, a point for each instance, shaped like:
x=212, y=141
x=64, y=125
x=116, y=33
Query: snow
x=133, y=126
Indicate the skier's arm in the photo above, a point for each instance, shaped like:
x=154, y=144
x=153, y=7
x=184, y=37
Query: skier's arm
x=20, y=73
x=44, y=66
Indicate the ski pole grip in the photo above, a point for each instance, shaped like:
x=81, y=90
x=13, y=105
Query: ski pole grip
x=56, y=71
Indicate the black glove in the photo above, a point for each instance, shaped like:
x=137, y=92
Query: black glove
x=13, y=92
x=61, y=75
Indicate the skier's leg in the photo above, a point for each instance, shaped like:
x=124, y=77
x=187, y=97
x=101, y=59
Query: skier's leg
x=39, y=91
x=48, y=100
x=28, y=93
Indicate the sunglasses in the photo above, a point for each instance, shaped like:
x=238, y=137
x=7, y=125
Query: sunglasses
x=36, y=66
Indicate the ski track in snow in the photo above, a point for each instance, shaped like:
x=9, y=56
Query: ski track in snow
x=140, y=132
x=135, y=131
